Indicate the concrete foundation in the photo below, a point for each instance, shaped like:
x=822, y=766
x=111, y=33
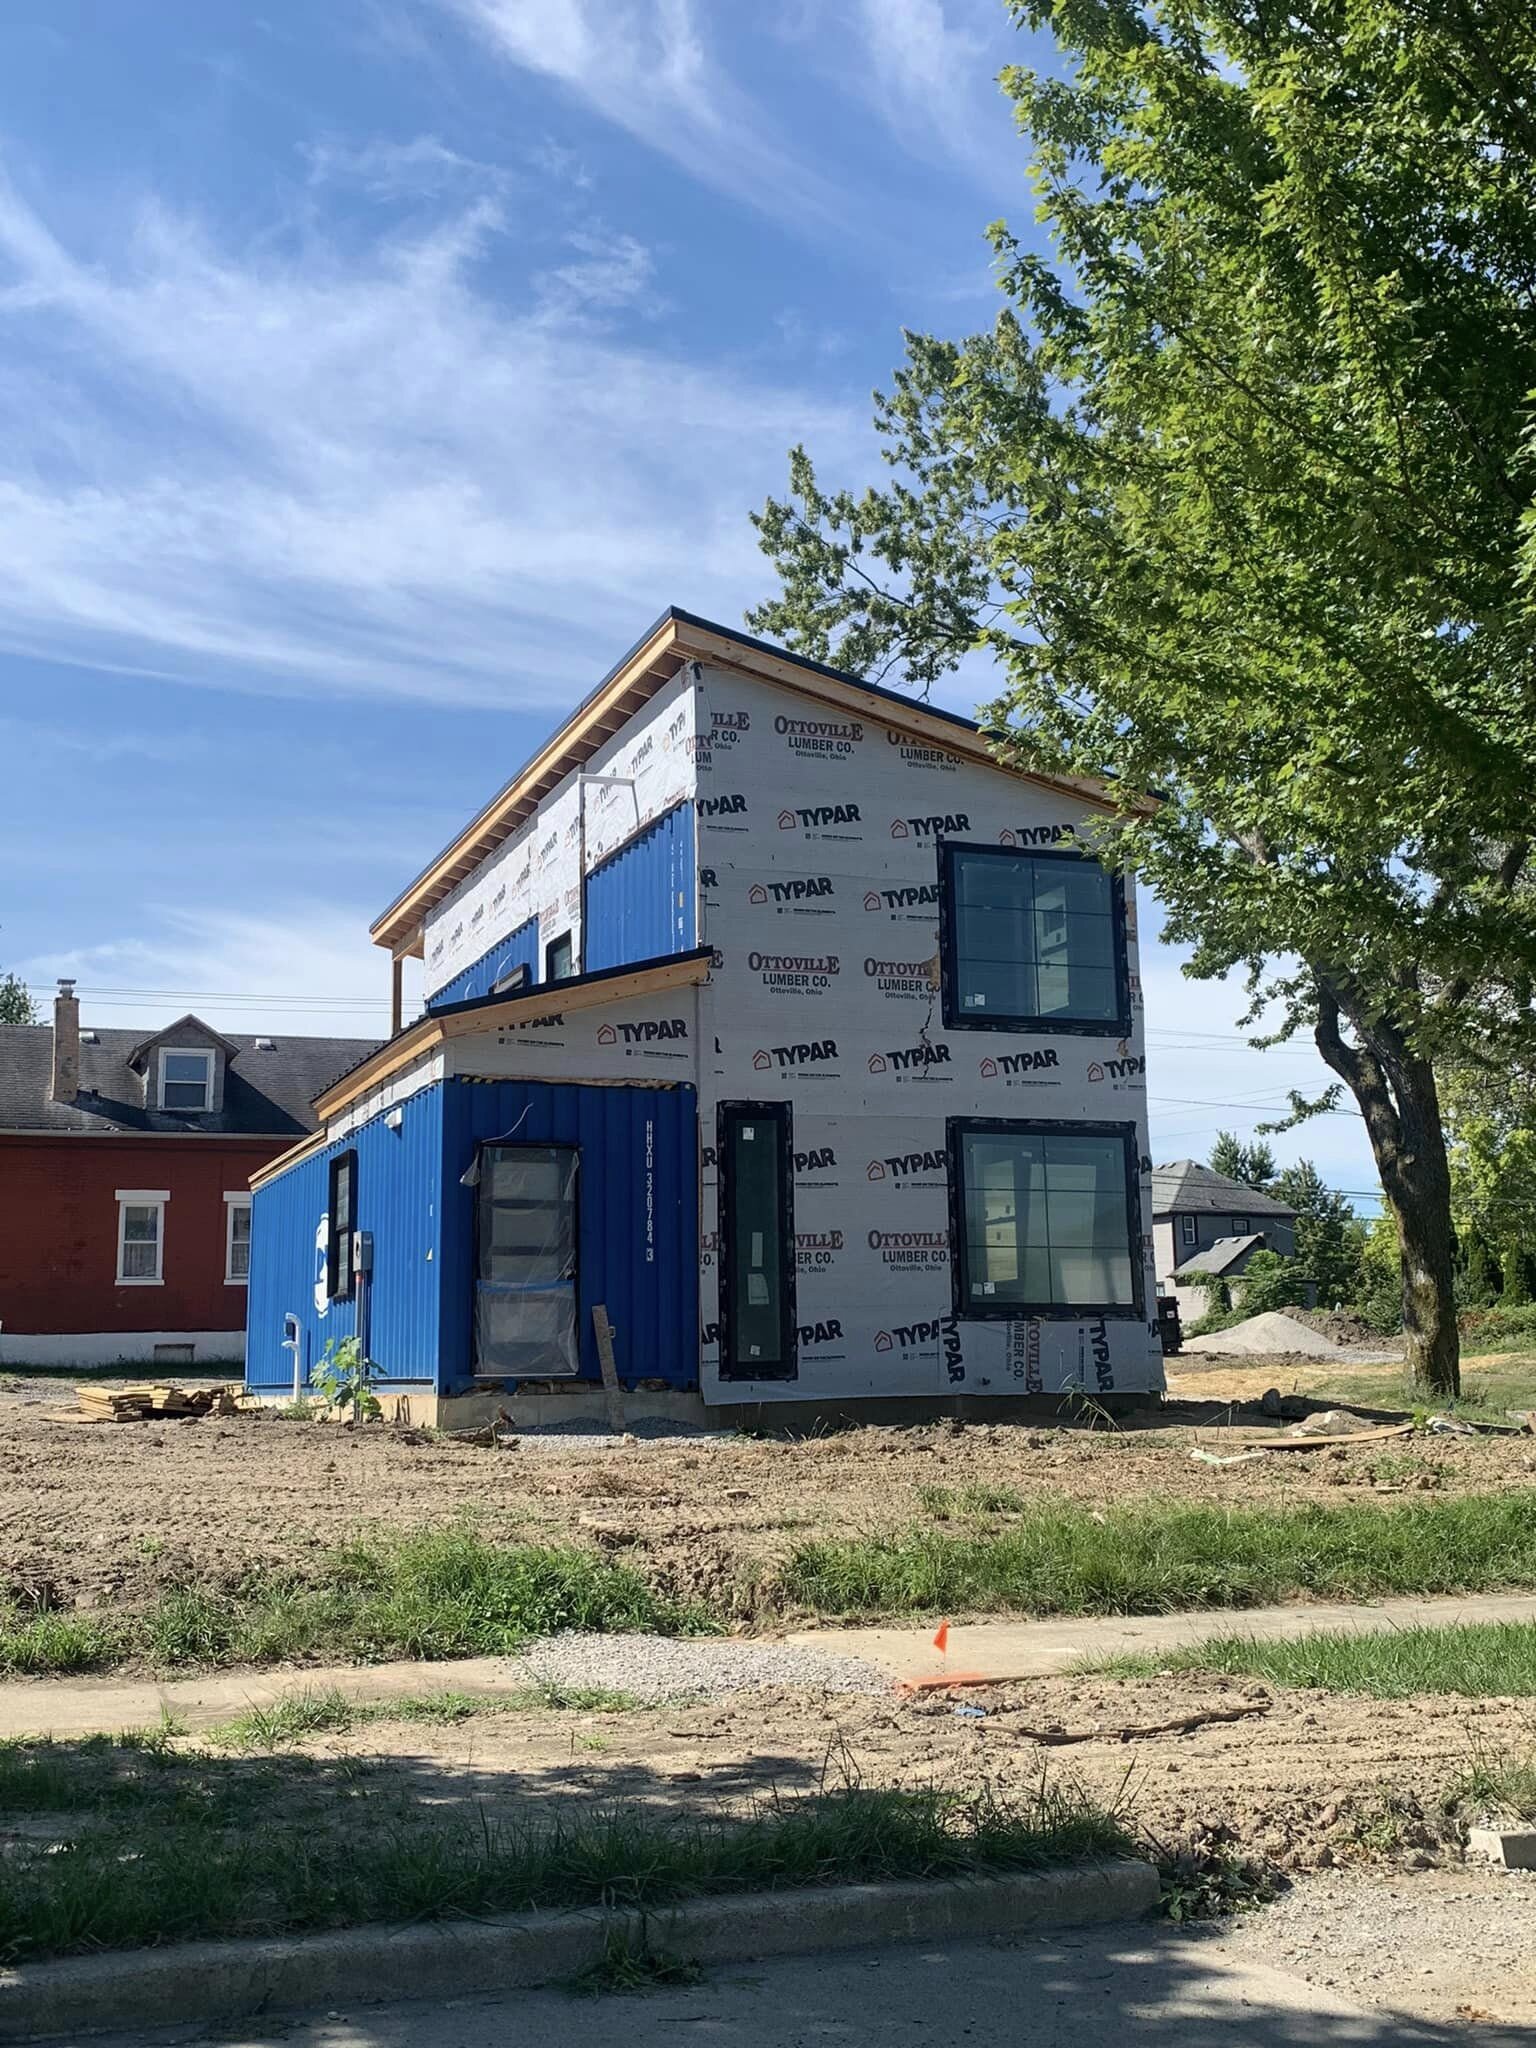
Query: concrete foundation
x=584, y=1406
x=85, y=1351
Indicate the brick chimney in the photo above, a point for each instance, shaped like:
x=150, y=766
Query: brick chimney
x=66, y=1043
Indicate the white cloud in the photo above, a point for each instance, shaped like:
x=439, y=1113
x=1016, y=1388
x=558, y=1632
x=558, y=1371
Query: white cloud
x=929, y=67
x=307, y=968
x=365, y=472
x=420, y=168
x=645, y=66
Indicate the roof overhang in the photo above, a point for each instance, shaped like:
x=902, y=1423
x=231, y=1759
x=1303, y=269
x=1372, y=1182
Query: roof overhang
x=486, y=1013
x=676, y=638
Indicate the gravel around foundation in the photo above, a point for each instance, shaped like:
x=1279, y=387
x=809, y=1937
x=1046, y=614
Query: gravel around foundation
x=660, y=1668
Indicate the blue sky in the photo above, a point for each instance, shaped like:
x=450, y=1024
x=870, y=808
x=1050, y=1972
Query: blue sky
x=372, y=374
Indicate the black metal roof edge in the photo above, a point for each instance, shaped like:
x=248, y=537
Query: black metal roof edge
x=540, y=993
x=675, y=615
x=815, y=668
x=548, y=989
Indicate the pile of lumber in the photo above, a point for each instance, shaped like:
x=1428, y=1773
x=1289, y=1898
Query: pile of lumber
x=142, y=1401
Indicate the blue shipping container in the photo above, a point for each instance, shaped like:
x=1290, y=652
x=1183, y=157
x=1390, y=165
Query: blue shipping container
x=518, y=949
x=641, y=901
x=637, y=1216
x=399, y=1199
x=637, y=1227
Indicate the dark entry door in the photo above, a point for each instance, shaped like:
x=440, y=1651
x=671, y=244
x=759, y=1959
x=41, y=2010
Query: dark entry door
x=525, y=1286
x=757, y=1242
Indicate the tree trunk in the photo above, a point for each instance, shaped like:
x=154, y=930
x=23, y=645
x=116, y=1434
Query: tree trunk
x=1400, y=1104
x=1419, y=1195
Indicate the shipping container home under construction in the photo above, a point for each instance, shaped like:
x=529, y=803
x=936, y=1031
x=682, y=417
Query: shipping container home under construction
x=769, y=1021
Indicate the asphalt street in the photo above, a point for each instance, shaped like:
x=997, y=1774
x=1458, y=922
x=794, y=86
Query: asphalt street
x=1134, y=1985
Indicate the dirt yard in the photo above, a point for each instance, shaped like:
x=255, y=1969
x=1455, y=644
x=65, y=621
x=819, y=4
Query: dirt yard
x=99, y=1515
x=1307, y=1780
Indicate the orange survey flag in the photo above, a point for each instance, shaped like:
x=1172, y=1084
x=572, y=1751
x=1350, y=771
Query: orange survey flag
x=941, y=1639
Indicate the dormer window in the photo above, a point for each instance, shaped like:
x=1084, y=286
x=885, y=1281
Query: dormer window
x=186, y=1080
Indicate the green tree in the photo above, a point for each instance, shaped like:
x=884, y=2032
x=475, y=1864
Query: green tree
x=16, y=1004
x=1329, y=1237
x=1253, y=1165
x=1270, y=1281
x=1491, y=1123
x=1233, y=495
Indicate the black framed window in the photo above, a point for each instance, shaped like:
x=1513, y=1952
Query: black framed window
x=515, y=977
x=758, y=1337
x=1032, y=941
x=1045, y=1218
x=342, y=1210
x=1239, y=1226
x=559, y=958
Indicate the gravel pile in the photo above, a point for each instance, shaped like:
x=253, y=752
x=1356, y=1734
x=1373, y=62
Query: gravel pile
x=666, y=1668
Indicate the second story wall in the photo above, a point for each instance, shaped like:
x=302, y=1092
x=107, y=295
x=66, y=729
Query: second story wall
x=527, y=896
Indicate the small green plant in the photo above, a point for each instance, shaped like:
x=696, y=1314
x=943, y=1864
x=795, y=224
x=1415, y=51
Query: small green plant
x=1497, y=1787
x=345, y=1377
x=1205, y=1878
x=301, y=1410
x=627, y=1965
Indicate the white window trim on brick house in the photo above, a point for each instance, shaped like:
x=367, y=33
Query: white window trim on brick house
x=236, y=1199
x=141, y=1198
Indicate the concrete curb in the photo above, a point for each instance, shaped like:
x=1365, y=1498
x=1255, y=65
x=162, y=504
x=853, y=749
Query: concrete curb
x=225, y=1980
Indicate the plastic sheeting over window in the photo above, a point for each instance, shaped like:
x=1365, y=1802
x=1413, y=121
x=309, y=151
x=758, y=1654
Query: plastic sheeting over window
x=525, y=1289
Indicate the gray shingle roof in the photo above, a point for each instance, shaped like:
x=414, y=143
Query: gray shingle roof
x=1188, y=1189
x=1221, y=1256
x=266, y=1094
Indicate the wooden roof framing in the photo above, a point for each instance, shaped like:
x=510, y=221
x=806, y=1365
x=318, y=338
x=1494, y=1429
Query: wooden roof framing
x=677, y=637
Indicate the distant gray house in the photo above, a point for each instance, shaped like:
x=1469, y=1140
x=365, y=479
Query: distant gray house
x=1208, y=1221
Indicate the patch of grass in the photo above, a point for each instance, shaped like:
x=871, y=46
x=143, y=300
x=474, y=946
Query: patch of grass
x=1496, y=1787
x=85, y=1775
x=426, y=1594
x=626, y=1967
x=1490, y=1386
x=442, y=1709
x=587, y=1699
x=1161, y=1556
x=33, y=1644
x=291, y=1719
x=137, y=1882
x=329, y=1711
x=951, y=1503
x=1482, y=1660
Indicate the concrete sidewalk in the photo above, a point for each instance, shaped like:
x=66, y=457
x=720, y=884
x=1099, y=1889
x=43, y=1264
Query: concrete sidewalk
x=998, y=1652
x=991, y=1652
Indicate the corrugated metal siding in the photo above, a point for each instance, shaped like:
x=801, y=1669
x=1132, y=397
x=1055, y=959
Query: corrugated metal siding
x=639, y=1222
x=399, y=1179
x=517, y=949
x=641, y=903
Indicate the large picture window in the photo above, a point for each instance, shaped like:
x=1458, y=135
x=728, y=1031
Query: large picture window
x=1045, y=1219
x=1032, y=941
x=343, y=1215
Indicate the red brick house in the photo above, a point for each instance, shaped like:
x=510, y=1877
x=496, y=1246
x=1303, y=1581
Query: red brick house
x=125, y=1163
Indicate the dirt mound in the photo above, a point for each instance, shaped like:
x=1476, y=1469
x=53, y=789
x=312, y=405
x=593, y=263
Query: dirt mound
x=1285, y=1334
x=1275, y=1334
x=1342, y=1325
